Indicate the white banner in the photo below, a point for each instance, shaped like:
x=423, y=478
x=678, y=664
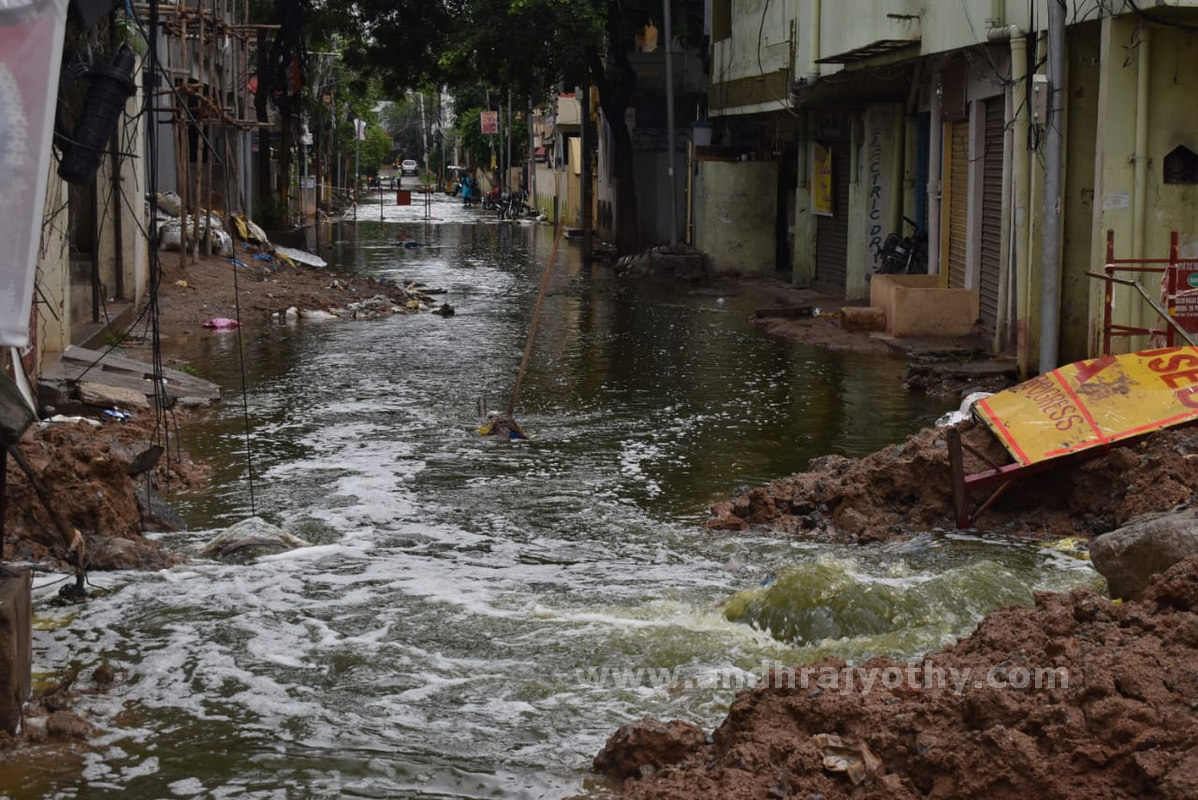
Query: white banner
x=31, y=35
x=360, y=127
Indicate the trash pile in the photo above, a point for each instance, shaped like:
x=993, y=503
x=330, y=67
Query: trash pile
x=255, y=253
x=177, y=232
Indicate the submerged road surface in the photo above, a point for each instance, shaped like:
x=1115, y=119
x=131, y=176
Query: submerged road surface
x=477, y=616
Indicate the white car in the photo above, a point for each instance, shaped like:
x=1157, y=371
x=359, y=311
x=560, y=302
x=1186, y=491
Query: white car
x=408, y=167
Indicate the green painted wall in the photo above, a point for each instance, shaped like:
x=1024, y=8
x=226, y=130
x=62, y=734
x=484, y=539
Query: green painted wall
x=734, y=215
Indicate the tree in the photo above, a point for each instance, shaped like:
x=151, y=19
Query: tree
x=527, y=47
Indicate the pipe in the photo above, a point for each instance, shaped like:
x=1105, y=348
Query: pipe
x=1002, y=325
x=1001, y=33
x=935, y=137
x=997, y=14
x=673, y=181
x=1054, y=153
x=813, y=40
x=1140, y=185
x=1020, y=198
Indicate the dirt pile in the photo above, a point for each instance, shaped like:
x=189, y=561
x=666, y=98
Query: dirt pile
x=193, y=293
x=908, y=487
x=1078, y=697
x=87, y=472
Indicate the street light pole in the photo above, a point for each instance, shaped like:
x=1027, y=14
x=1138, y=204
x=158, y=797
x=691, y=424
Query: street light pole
x=665, y=8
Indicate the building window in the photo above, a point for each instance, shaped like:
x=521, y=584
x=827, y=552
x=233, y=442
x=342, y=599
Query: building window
x=1181, y=165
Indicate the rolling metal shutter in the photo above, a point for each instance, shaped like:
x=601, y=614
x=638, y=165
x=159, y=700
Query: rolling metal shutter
x=832, y=233
x=957, y=209
x=991, y=256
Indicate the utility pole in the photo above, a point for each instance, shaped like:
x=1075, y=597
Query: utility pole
x=358, y=126
x=423, y=131
x=1050, y=289
x=585, y=170
x=509, y=139
x=532, y=160
x=673, y=182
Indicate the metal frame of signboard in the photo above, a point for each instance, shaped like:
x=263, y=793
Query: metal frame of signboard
x=1003, y=476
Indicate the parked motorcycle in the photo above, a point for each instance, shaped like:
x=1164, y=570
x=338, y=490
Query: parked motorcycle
x=904, y=255
x=513, y=205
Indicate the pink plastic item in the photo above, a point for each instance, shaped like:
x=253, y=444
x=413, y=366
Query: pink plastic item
x=222, y=323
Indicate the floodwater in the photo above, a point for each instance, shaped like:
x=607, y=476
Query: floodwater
x=476, y=616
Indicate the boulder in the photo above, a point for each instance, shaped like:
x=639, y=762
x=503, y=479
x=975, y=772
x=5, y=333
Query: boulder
x=645, y=746
x=1147, y=545
x=253, y=533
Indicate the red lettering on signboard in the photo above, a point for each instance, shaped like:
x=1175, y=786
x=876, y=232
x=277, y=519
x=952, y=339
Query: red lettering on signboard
x=1172, y=364
x=1088, y=369
x=1188, y=397
x=1174, y=380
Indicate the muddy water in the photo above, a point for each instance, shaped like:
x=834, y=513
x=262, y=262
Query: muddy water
x=476, y=616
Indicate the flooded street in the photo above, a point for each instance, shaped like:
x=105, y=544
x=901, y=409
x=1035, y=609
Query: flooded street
x=478, y=615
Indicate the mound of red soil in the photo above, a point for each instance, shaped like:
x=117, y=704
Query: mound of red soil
x=908, y=486
x=86, y=472
x=1078, y=697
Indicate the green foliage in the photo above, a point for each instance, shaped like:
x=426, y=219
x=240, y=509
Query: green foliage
x=271, y=214
x=376, y=150
x=479, y=145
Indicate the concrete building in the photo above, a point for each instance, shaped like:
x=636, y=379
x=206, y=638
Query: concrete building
x=92, y=265
x=831, y=122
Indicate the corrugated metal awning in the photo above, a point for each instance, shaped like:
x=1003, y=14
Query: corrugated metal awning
x=855, y=87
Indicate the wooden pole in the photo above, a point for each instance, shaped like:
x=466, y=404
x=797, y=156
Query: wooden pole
x=536, y=317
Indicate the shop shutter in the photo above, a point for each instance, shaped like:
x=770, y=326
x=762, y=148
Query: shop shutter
x=832, y=233
x=991, y=256
x=957, y=209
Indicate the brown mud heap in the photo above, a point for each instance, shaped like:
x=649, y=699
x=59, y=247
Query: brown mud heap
x=87, y=471
x=908, y=487
x=195, y=292
x=1113, y=716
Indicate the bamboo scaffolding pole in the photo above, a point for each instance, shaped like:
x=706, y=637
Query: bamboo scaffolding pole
x=209, y=149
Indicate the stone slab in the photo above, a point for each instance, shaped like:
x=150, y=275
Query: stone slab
x=98, y=394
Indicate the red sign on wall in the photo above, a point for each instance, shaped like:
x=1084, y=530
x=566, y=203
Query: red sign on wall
x=1183, y=301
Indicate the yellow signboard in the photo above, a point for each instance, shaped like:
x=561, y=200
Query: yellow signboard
x=821, y=180
x=1094, y=403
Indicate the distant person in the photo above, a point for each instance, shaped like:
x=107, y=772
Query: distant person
x=467, y=190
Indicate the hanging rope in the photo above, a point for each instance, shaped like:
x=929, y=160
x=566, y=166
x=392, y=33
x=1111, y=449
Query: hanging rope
x=536, y=316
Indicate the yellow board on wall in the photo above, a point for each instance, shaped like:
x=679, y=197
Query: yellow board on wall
x=821, y=180
x=1094, y=403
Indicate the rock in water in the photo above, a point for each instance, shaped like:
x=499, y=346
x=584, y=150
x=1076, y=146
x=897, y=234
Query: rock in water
x=251, y=533
x=1147, y=545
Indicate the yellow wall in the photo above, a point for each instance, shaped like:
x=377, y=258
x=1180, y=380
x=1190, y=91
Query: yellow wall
x=1172, y=120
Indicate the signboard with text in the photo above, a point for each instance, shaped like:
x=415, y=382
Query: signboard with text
x=1183, y=304
x=489, y=121
x=1094, y=403
x=821, y=180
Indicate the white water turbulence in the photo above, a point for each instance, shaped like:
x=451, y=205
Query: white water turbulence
x=474, y=617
